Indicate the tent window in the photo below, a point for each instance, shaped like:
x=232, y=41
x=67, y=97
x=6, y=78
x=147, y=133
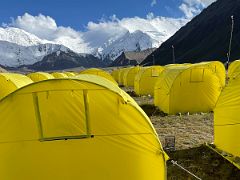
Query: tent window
x=62, y=114
x=196, y=75
x=155, y=72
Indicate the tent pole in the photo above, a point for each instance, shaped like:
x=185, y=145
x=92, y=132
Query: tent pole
x=230, y=42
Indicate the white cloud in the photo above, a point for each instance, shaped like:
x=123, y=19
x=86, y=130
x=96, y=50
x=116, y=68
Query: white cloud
x=159, y=28
x=97, y=34
x=45, y=27
x=191, y=8
x=153, y=3
x=189, y=11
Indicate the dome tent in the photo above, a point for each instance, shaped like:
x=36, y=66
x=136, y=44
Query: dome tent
x=59, y=75
x=227, y=120
x=121, y=75
x=115, y=74
x=129, y=76
x=69, y=133
x=198, y=86
x=40, y=76
x=234, y=69
x=11, y=82
x=145, y=80
x=99, y=72
x=124, y=76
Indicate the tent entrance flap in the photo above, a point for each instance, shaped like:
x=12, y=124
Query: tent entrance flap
x=66, y=119
x=196, y=75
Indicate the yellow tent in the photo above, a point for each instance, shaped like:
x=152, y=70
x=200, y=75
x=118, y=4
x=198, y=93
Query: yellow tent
x=234, y=69
x=120, y=76
x=115, y=74
x=40, y=76
x=59, y=75
x=194, y=88
x=124, y=75
x=174, y=65
x=227, y=119
x=129, y=76
x=70, y=74
x=11, y=82
x=146, y=78
x=77, y=128
x=99, y=72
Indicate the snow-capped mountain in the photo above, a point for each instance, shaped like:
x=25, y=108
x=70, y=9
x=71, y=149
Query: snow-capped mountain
x=20, y=37
x=13, y=55
x=135, y=41
x=18, y=47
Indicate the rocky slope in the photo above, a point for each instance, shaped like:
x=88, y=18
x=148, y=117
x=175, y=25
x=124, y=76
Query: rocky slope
x=63, y=60
x=204, y=38
x=132, y=57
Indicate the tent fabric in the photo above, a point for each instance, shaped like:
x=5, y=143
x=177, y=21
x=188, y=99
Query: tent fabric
x=99, y=72
x=77, y=128
x=227, y=119
x=59, y=75
x=129, y=76
x=70, y=74
x=234, y=70
x=124, y=76
x=120, y=76
x=145, y=80
x=40, y=76
x=115, y=74
x=11, y=82
x=198, y=86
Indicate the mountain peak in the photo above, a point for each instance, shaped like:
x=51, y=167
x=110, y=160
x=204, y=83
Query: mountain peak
x=20, y=37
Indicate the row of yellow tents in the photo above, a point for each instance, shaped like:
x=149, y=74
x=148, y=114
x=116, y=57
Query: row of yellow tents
x=197, y=85
x=12, y=81
x=79, y=127
x=39, y=76
x=194, y=88
x=64, y=128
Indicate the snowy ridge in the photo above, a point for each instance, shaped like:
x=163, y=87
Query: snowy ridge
x=14, y=55
x=18, y=47
x=20, y=37
x=136, y=41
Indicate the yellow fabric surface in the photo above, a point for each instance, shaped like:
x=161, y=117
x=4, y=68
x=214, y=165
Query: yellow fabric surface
x=77, y=128
x=125, y=73
x=129, y=76
x=121, y=75
x=146, y=78
x=191, y=88
x=99, y=72
x=234, y=70
x=59, y=75
x=11, y=82
x=40, y=76
x=115, y=74
x=227, y=119
x=70, y=74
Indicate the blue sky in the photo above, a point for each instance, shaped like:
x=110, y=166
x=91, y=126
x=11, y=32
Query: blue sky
x=86, y=25
x=77, y=13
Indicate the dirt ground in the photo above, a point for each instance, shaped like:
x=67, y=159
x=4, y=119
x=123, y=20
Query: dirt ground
x=188, y=135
